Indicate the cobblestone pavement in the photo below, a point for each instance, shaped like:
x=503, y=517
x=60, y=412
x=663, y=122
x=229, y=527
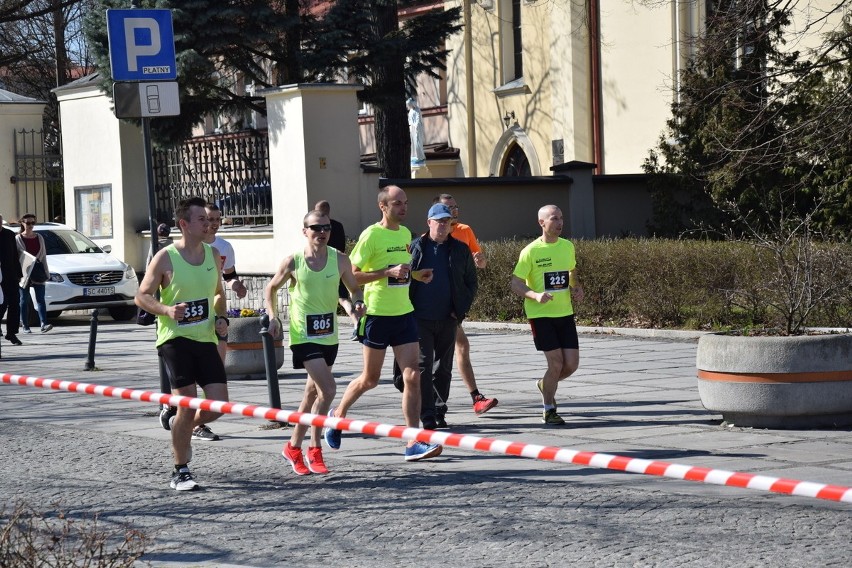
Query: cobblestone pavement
x=89, y=455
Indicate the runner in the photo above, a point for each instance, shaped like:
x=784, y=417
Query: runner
x=546, y=277
x=313, y=275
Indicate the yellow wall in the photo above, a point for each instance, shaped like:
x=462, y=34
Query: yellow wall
x=636, y=62
x=554, y=102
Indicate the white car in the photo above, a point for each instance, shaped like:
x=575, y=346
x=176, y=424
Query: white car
x=84, y=276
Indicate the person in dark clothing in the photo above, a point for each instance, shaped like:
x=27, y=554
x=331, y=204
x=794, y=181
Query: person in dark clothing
x=10, y=265
x=439, y=307
x=337, y=240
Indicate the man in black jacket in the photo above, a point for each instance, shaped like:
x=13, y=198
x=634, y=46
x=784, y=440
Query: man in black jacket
x=439, y=307
x=10, y=266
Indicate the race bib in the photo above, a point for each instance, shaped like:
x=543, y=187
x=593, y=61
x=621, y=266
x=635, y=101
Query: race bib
x=321, y=325
x=197, y=311
x=556, y=281
x=399, y=281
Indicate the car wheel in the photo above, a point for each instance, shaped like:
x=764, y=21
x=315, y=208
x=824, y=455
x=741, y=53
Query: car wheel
x=122, y=313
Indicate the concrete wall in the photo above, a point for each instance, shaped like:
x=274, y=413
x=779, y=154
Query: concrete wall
x=622, y=206
x=101, y=151
x=14, y=116
x=313, y=155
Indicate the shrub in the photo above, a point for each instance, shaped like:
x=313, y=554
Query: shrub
x=29, y=538
x=671, y=283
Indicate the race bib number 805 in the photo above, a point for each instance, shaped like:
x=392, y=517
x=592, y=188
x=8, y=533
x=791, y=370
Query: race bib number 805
x=319, y=325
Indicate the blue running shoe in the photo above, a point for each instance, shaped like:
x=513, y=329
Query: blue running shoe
x=331, y=436
x=421, y=451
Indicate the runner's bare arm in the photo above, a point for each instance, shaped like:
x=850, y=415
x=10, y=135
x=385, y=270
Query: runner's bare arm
x=157, y=275
x=270, y=293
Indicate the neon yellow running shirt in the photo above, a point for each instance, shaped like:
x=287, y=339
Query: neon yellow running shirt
x=544, y=267
x=379, y=248
x=313, y=301
x=195, y=286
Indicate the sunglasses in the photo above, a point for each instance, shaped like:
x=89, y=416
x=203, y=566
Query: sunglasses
x=320, y=228
x=29, y=222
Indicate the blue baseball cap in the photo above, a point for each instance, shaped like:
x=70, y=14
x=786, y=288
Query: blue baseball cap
x=439, y=211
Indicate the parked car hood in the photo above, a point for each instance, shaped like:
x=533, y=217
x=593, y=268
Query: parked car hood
x=88, y=262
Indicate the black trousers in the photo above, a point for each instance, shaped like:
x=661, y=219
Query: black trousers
x=10, y=308
x=437, y=346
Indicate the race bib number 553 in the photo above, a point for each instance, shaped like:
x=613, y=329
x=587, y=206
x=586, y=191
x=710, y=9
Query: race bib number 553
x=197, y=311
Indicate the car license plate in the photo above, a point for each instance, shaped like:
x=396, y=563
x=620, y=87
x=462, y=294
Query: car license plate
x=103, y=291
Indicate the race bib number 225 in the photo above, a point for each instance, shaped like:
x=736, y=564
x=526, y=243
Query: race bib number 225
x=556, y=281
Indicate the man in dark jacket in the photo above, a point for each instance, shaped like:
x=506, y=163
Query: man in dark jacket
x=10, y=266
x=439, y=307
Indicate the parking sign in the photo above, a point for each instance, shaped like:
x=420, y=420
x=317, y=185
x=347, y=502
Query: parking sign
x=141, y=45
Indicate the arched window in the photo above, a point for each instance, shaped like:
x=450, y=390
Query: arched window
x=516, y=163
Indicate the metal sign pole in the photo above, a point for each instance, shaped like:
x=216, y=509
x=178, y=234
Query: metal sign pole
x=165, y=386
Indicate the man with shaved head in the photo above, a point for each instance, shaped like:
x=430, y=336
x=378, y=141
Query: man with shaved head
x=546, y=278
x=381, y=263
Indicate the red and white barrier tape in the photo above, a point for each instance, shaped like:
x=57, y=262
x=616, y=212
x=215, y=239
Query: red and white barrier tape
x=551, y=453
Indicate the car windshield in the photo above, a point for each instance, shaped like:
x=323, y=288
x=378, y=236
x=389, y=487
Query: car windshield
x=63, y=241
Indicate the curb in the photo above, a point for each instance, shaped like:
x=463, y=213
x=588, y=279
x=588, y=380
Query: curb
x=587, y=330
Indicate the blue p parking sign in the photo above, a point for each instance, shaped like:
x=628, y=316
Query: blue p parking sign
x=141, y=45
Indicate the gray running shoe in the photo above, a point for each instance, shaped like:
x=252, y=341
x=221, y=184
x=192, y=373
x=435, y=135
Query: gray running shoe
x=204, y=433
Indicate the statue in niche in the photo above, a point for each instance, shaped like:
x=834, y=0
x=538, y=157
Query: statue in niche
x=416, y=132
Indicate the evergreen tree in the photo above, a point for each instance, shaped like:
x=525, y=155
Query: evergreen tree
x=754, y=141
x=362, y=39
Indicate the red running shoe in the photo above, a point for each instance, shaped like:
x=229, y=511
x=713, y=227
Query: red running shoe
x=296, y=459
x=315, y=463
x=482, y=405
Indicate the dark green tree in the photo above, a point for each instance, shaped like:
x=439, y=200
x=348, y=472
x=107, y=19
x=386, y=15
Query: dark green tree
x=758, y=148
x=755, y=136
x=218, y=43
x=363, y=40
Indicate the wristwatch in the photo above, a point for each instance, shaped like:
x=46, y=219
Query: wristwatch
x=227, y=321
x=356, y=302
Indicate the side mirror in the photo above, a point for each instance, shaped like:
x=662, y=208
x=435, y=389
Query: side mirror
x=107, y=248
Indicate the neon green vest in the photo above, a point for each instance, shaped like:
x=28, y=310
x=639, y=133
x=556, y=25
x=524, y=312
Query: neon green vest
x=195, y=286
x=313, y=301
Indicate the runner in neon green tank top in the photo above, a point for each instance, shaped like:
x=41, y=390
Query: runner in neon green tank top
x=313, y=275
x=312, y=301
x=191, y=311
x=187, y=280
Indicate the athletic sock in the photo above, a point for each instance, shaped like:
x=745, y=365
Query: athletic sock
x=474, y=393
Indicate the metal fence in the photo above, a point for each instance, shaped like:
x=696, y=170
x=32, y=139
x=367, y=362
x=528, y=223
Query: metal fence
x=230, y=170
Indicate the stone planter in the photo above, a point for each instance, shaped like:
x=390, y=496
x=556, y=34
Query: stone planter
x=244, y=358
x=777, y=382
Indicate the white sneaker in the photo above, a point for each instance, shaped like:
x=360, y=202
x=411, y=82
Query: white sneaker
x=182, y=480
